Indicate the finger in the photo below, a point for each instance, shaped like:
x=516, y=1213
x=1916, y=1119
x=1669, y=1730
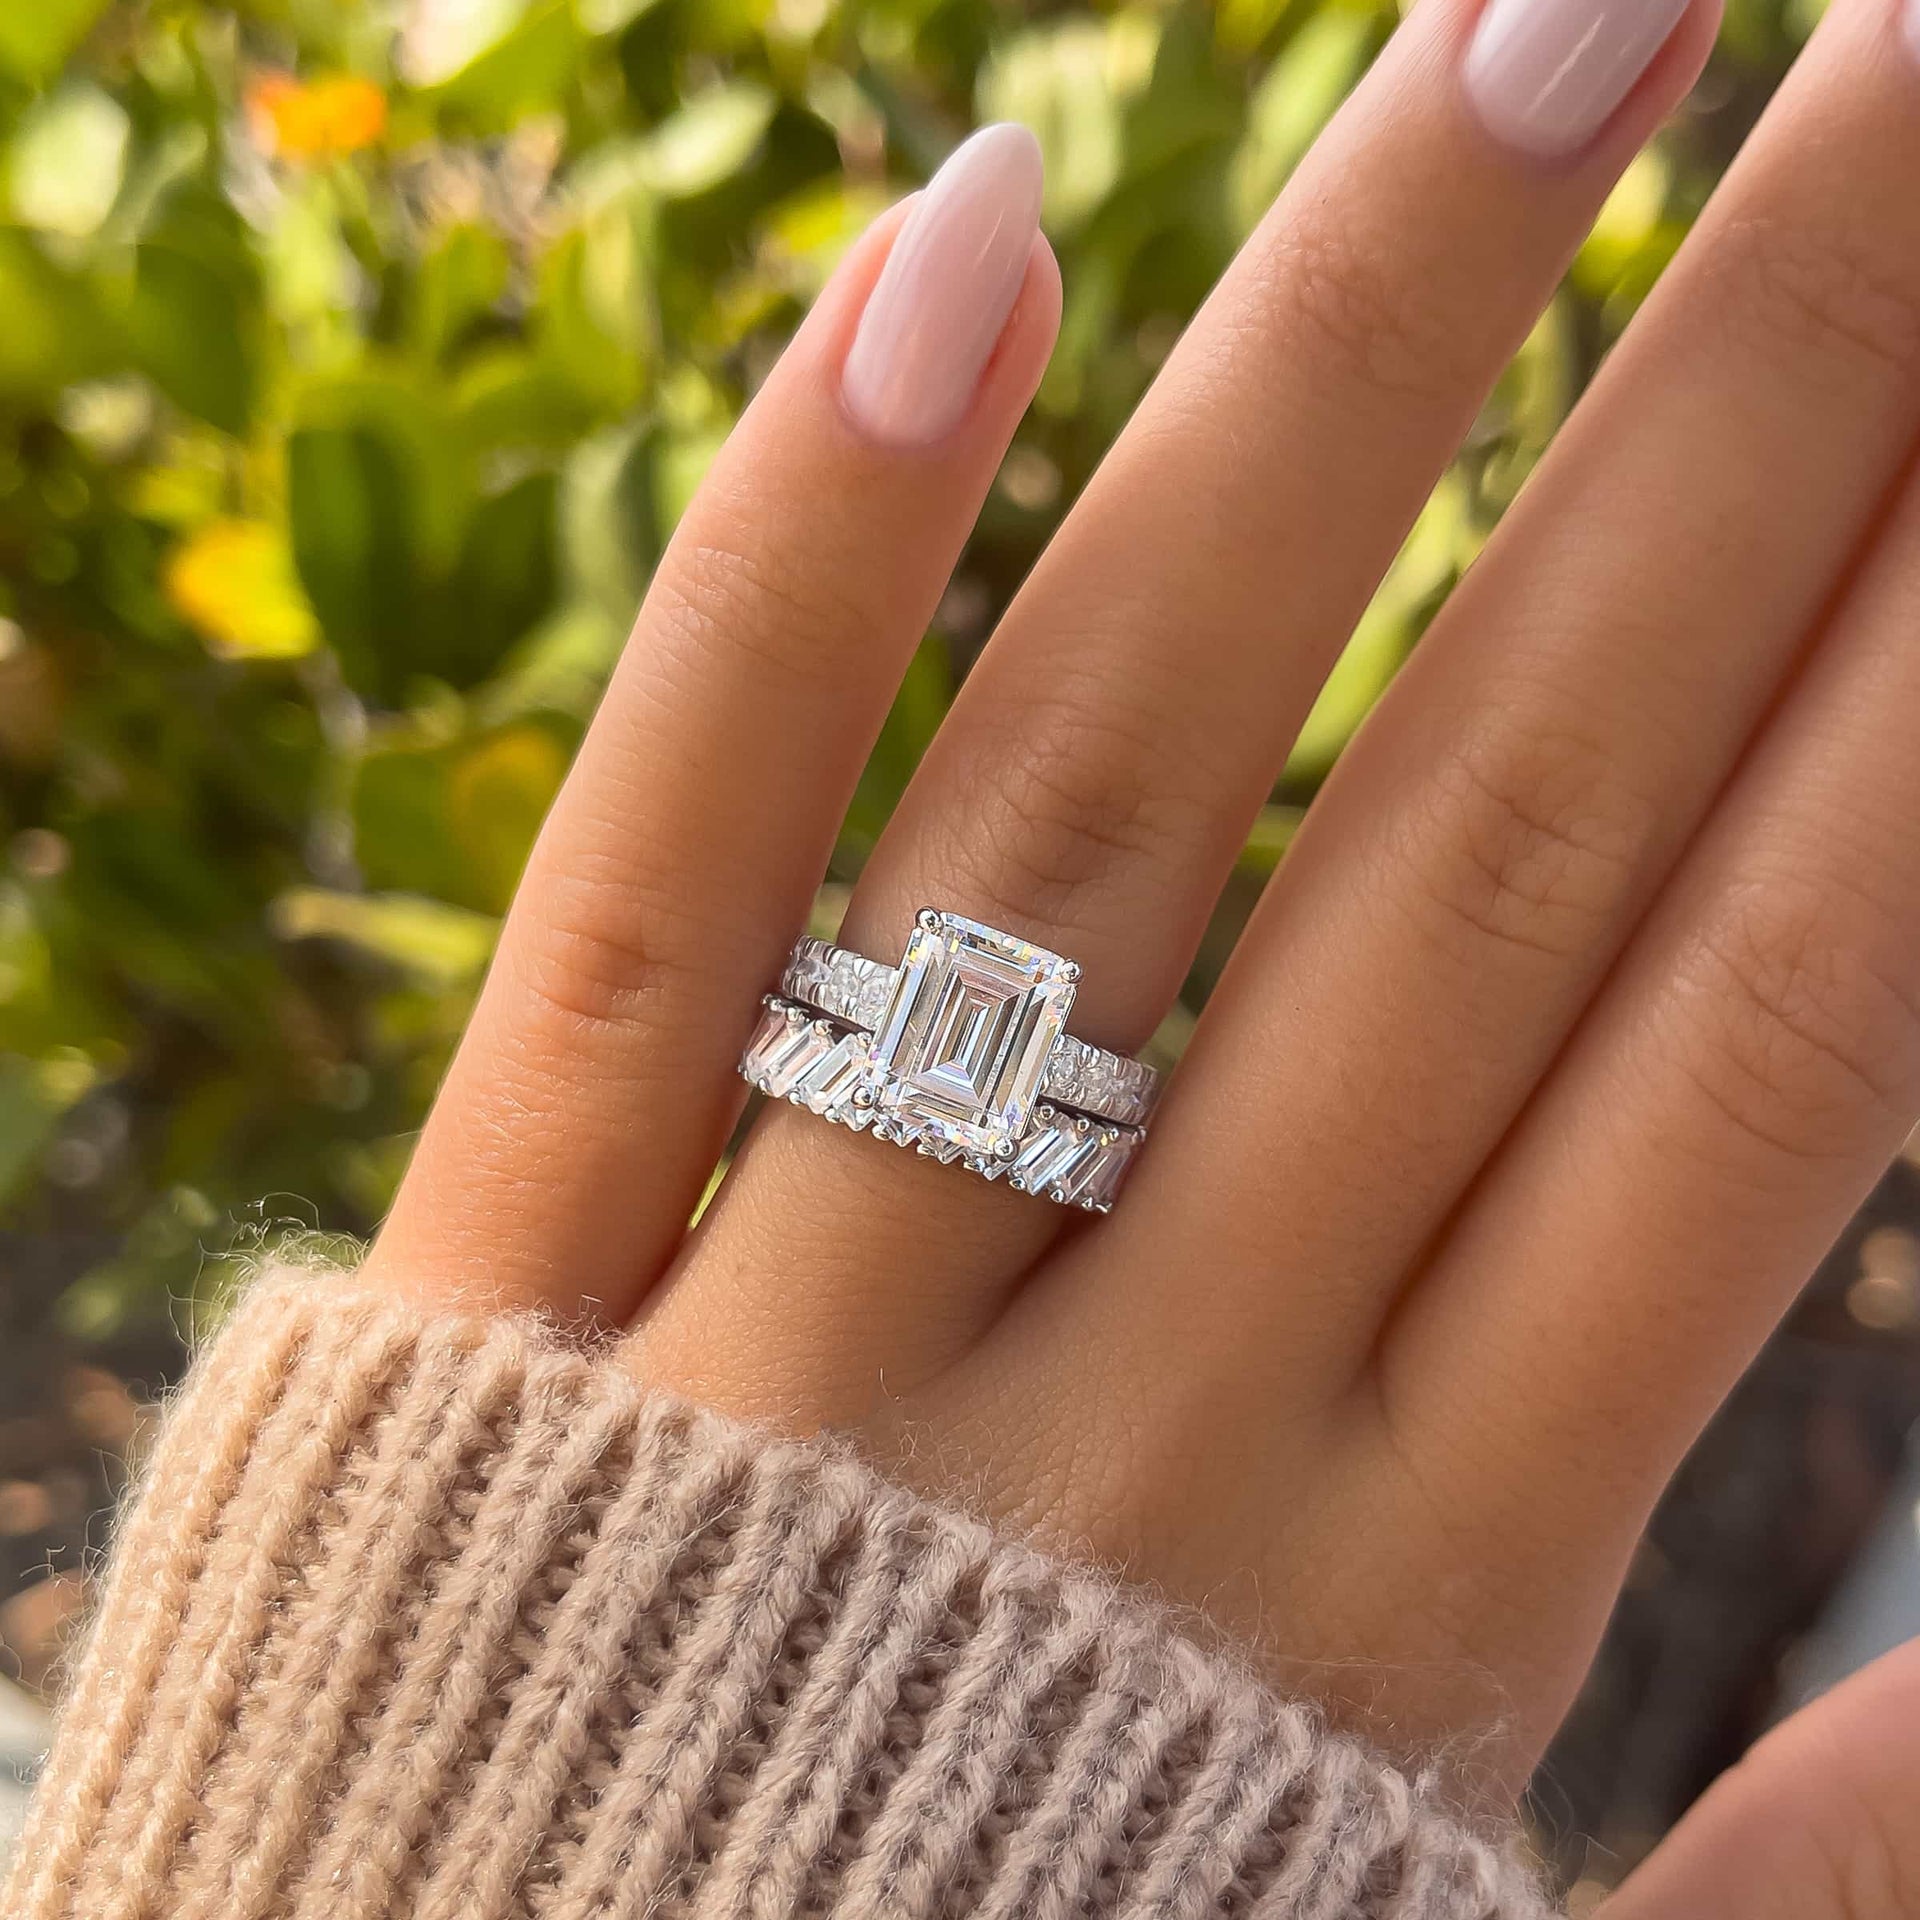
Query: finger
x=1095, y=780
x=1818, y=1822
x=594, y=1088
x=1735, y=1091
x=1496, y=831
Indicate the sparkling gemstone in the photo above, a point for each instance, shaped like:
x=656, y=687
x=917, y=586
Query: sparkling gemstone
x=963, y=1042
x=870, y=997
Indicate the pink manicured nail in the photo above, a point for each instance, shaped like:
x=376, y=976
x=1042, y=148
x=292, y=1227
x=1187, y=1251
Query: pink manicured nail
x=1546, y=75
x=951, y=280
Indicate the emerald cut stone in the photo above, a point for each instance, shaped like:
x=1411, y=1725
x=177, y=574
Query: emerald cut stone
x=962, y=1047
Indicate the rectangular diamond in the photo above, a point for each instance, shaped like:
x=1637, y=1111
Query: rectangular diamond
x=785, y=1047
x=963, y=1044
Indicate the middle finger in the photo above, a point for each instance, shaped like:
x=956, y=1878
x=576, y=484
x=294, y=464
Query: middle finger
x=1499, y=827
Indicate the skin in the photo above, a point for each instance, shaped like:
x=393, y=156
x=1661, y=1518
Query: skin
x=1582, y=1013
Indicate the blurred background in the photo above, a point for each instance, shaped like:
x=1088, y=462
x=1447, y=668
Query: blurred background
x=356, y=357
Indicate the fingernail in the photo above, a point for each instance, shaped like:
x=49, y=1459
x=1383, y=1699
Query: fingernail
x=1546, y=75
x=936, y=311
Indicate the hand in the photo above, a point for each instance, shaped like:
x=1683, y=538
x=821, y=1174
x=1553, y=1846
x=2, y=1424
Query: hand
x=1579, y=1017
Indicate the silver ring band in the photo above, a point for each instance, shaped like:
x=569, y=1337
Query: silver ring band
x=960, y=1052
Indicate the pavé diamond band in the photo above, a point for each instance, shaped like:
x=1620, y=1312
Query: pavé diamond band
x=961, y=1052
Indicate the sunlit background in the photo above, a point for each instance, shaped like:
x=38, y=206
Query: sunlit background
x=355, y=360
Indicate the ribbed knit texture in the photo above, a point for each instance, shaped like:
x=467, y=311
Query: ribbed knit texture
x=441, y=1617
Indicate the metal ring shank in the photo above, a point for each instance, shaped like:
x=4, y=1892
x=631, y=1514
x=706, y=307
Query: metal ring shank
x=848, y=987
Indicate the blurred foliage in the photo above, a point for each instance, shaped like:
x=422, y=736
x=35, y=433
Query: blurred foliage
x=355, y=361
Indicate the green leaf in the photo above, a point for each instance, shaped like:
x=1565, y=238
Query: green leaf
x=441, y=42
x=507, y=400
x=352, y=506
x=596, y=312
x=379, y=505
x=196, y=300
x=561, y=667
x=1296, y=98
x=191, y=327
x=710, y=139
x=37, y=35
x=460, y=283
x=52, y=333
x=610, y=16
x=808, y=233
x=681, y=462
x=608, y=517
x=528, y=68
x=500, y=587
x=454, y=820
x=498, y=792
x=1241, y=25
x=1189, y=111
x=1628, y=222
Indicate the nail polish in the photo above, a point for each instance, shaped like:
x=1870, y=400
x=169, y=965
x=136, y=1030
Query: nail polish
x=936, y=312
x=1546, y=75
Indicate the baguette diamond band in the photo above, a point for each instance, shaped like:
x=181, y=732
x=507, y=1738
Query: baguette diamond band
x=960, y=1052
x=849, y=987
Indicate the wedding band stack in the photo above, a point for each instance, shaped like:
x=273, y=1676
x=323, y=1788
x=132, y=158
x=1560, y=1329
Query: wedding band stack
x=960, y=1052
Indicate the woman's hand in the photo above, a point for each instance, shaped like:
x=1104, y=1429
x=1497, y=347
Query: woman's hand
x=1581, y=1014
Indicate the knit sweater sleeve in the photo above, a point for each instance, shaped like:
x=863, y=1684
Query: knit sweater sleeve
x=445, y=1618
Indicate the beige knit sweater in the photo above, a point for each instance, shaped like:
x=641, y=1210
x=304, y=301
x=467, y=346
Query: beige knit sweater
x=445, y=1618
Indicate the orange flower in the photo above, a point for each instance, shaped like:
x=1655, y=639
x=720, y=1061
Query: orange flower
x=315, y=119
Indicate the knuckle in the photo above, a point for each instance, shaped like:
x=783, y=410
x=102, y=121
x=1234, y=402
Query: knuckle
x=1815, y=298
x=1533, y=836
x=1062, y=797
x=1803, y=1030
x=1349, y=293
x=598, y=958
x=752, y=600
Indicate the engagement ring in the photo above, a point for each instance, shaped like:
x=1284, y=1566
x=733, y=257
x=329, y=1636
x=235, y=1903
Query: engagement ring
x=961, y=1052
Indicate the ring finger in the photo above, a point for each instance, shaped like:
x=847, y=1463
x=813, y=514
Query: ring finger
x=1090, y=789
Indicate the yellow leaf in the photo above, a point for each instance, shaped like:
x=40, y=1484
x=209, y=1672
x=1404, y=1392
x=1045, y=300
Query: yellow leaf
x=233, y=581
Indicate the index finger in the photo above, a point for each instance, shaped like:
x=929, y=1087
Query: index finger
x=594, y=1088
